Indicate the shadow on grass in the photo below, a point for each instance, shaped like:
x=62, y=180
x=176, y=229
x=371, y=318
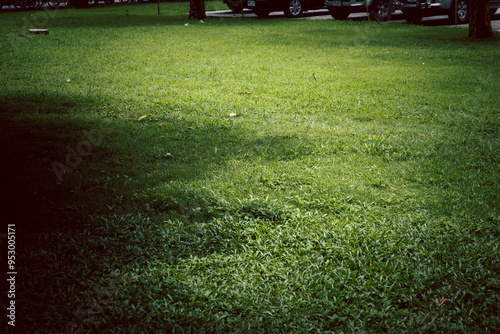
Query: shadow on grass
x=35, y=129
x=63, y=163
x=25, y=103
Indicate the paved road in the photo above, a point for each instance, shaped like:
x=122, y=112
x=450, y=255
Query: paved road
x=323, y=14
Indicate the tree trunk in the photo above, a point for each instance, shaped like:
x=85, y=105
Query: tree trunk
x=197, y=10
x=480, y=21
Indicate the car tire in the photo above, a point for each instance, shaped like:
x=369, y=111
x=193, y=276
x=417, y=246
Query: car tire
x=294, y=8
x=339, y=13
x=460, y=12
x=380, y=11
x=413, y=16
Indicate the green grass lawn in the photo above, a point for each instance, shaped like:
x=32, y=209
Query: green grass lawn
x=199, y=178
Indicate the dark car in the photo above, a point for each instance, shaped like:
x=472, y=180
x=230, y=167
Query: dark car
x=457, y=10
x=292, y=8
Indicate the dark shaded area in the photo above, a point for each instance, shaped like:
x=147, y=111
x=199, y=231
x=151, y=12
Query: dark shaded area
x=36, y=127
x=33, y=199
x=61, y=166
x=119, y=167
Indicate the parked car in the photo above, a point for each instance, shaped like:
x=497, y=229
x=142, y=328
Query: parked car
x=379, y=10
x=292, y=8
x=457, y=10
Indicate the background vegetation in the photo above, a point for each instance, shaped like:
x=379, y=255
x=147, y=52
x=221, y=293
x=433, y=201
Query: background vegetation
x=200, y=178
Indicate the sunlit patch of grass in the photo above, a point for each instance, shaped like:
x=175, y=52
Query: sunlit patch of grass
x=218, y=185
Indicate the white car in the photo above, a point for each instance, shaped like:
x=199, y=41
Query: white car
x=457, y=10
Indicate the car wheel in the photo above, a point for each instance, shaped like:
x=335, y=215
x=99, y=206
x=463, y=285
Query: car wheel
x=460, y=12
x=34, y=4
x=294, y=8
x=380, y=11
x=20, y=4
x=412, y=16
x=339, y=13
x=261, y=12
